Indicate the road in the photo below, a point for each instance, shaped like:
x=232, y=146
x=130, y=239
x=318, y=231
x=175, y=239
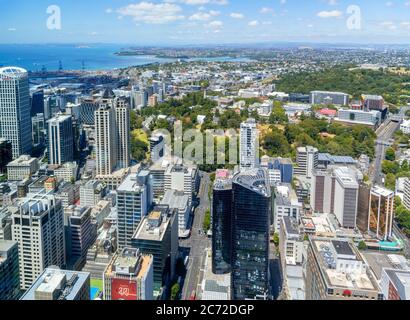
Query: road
x=399, y=235
x=384, y=135
x=195, y=246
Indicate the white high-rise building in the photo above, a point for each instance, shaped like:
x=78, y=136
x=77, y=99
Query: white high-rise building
x=406, y=195
x=122, y=116
x=249, y=145
x=106, y=141
x=307, y=159
x=134, y=199
x=15, y=121
x=60, y=139
x=38, y=228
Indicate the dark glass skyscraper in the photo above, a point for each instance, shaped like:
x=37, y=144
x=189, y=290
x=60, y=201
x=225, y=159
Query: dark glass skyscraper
x=251, y=212
x=222, y=226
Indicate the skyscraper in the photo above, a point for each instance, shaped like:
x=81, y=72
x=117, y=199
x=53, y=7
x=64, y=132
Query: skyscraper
x=37, y=102
x=133, y=202
x=15, y=122
x=307, y=160
x=60, y=139
x=251, y=212
x=122, y=116
x=106, y=140
x=38, y=227
x=222, y=224
x=249, y=145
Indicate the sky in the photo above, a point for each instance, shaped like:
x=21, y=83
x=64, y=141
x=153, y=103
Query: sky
x=179, y=22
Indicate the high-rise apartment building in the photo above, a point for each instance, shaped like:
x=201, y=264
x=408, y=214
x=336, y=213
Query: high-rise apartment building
x=251, y=219
x=134, y=199
x=9, y=270
x=106, y=140
x=60, y=139
x=307, y=159
x=249, y=145
x=129, y=276
x=15, y=124
x=122, y=117
x=38, y=227
x=381, y=212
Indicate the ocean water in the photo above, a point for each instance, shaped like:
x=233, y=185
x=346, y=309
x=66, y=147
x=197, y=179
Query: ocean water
x=72, y=57
x=34, y=57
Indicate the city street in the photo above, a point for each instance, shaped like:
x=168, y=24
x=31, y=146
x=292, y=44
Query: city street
x=195, y=245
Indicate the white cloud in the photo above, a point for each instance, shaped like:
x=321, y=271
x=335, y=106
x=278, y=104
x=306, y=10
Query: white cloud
x=152, y=13
x=330, y=14
x=236, y=15
x=254, y=23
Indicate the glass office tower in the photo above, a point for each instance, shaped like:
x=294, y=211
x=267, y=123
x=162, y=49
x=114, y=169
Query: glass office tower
x=251, y=214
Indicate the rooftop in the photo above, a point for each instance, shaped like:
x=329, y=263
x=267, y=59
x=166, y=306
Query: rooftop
x=175, y=199
x=68, y=283
x=256, y=180
x=152, y=227
x=342, y=265
x=12, y=72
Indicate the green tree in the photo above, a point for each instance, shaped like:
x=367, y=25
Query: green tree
x=175, y=291
x=362, y=245
x=207, y=220
x=390, y=154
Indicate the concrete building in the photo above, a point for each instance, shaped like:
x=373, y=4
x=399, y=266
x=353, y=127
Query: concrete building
x=15, y=110
x=81, y=233
x=179, y=201
x=60, y=138
x=405, y=127
x=337, y=271
x=406, y=194
x=249, y=145
x=346, y=194
x=134, y=200
x=66, y=172
x=9, y=270
x=38, y=227
x=395, y=284
x=381, y=212
x=157, y=235
x=106, y=140
x=306, y=161
x=286, y=204
x=182, y=178
x=129, y=276
x=92, y=192
x=56, y=284
x=122, y=117
x=22, y=168
x=370, y=118
x=327, y=97
x=292, y=259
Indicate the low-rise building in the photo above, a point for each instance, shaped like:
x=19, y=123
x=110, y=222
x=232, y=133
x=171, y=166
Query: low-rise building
x=22, y=168
x=129, y=276
x=56, y=284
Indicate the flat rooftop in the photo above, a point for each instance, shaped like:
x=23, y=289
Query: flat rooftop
x=378, y=261
x=50, y=279
x=328, y=252
x=146, y=232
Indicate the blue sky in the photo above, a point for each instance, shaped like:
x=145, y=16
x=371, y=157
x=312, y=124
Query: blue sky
x=165, y=22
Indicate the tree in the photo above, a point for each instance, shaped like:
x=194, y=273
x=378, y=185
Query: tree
x=207, y=220
x=175, y=291
x=362, y=245
x=390, y=154
x=276, y=239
